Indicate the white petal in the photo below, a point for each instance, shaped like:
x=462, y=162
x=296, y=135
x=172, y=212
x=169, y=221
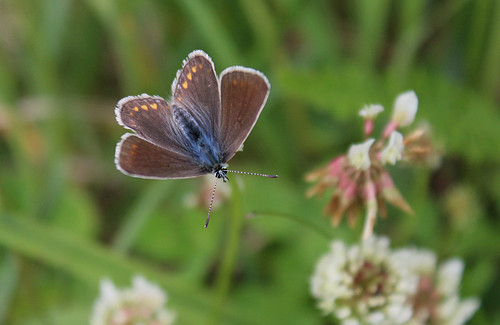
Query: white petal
x=350, y=321
x=449, y=276
x=394, y=310
x=405, y=108
x=371, y=111
x=108, y=290
x=107, y=302
x=448, y=307
x=375, y=317
x=465, y=311
x=425, y=262
x=394, y=149
x=343, y=312
x=359, y=154
x=405, y=315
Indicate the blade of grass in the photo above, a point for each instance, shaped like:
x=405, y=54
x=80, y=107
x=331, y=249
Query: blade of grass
x=372, y=21
x=414, y=36
x=139, y=214
x=264, y=28
x=491, y=68
x=89, y=262
x=226, y=269
x=409, y=12
x=207, y=23
x=136, y=65
x=319, y=24
x=9, y=276
x=476, y=36
x=327, y=233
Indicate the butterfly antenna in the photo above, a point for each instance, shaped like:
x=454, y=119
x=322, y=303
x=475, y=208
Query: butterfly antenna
x=254, y=174
x=211, y=202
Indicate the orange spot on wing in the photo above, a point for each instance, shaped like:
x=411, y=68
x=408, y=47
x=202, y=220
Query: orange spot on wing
x=144, y=107
x=185, y=84
x=131, y=114
x=235, y=82
x=154, y=106
x=242, y=83
x=201, y=66
x=179, y=98
x=190, y=76
x=193, y=69
x=136, y=109
x=134, y=146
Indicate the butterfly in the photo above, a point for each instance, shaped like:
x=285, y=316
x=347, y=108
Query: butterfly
x=198, y=130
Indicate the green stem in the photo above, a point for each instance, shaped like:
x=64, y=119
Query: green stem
x=324, y=232
x=139, y=214
x=9, y=279
x=228, y=263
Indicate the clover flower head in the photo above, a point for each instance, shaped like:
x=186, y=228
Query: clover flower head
x=369, y=283
x=141, y=304
x=437, y=298
x=360, y=284
x=359, y=178
x=356, y=188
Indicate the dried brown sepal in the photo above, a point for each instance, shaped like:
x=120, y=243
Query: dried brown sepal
x=393, y=196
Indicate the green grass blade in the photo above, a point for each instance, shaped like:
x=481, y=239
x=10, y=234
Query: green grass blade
x=491, y=68
x=9, y=276
x=476, y=36
x=216, y=36
x=139, y=214
x=89, y=262
x=373, y=19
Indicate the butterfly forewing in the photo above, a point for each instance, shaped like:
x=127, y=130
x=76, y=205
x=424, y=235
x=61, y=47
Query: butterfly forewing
x=140, y=158
x=152, y=119
x=244, y=92
x=196, y=89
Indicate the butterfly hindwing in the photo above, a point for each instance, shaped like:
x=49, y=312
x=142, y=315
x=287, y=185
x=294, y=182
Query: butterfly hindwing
x=140, y=158
x=244, y=92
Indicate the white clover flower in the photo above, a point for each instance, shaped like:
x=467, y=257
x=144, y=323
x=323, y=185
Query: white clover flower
x=371, y=111
x=449, y=276
x=142, y=304
x=359, y=156
x=361, y=285
x=462, y=312
x=436, y=301
x=451, y=310
x=394, y=149
x=405, y=108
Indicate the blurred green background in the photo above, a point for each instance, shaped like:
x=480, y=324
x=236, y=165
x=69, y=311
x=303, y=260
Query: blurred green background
x=68, y=218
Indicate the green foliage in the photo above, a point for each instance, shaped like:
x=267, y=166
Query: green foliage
x=68, y=218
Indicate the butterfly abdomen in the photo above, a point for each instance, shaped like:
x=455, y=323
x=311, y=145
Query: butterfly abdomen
x=201, y=145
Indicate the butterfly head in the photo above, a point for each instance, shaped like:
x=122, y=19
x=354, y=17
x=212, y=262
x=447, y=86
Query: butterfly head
x=220, y=171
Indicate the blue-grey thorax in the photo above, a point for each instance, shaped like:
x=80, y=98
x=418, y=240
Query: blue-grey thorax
x=203, y=147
